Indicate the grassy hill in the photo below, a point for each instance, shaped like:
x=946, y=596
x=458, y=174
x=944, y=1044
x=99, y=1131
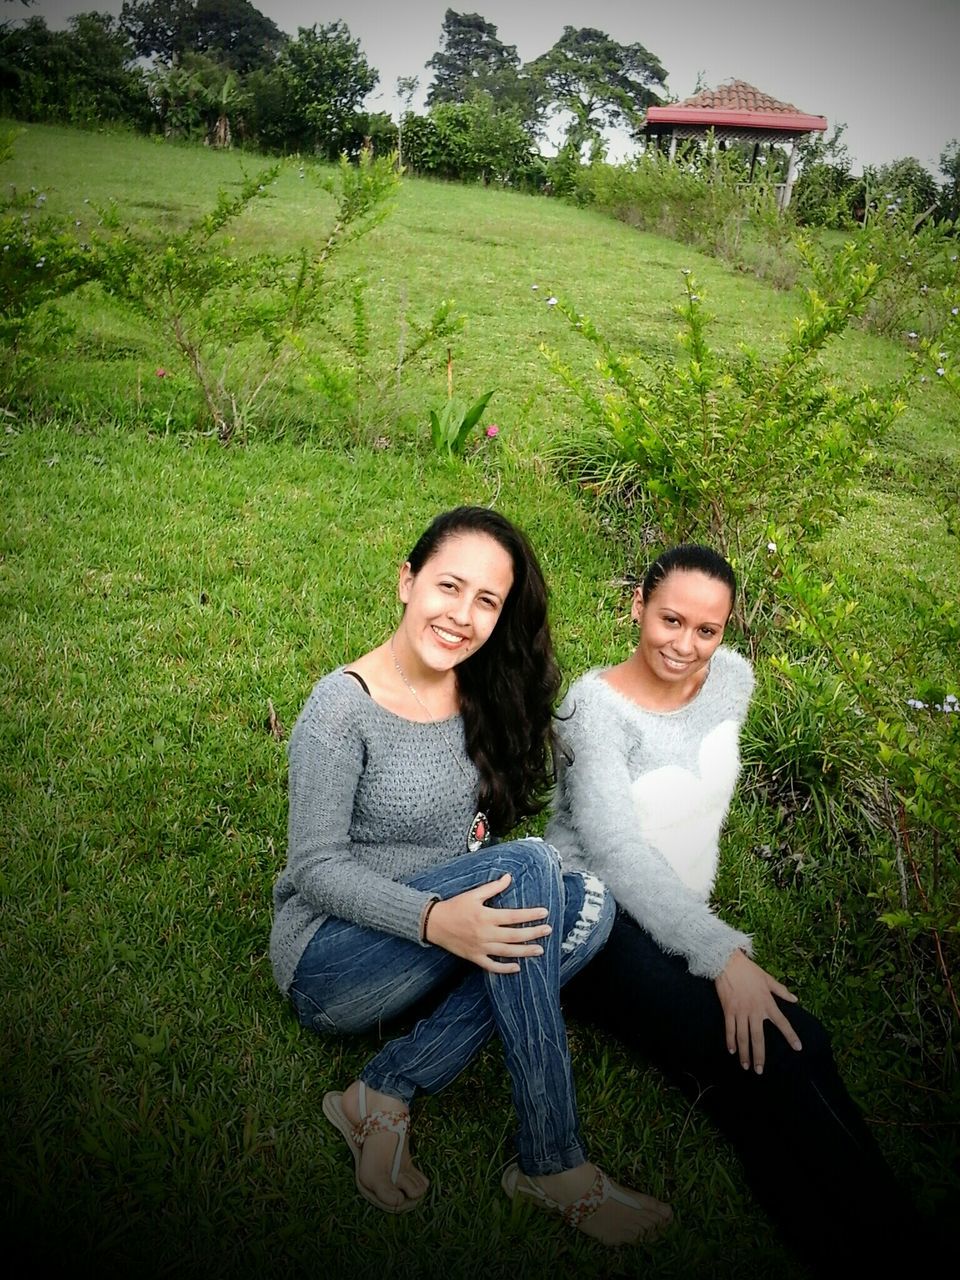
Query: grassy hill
x=161, y=593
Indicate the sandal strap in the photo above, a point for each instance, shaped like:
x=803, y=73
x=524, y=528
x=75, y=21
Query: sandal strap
x=397, y=1122
x=575, y=1212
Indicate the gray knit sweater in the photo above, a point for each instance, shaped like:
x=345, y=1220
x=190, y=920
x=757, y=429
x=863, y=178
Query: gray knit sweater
x=374, y=799
x=642, y=803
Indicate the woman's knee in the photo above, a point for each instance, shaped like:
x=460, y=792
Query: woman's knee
x=812, y=1034
x=530, y=860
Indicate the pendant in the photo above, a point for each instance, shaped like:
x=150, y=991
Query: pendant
x=479, y=833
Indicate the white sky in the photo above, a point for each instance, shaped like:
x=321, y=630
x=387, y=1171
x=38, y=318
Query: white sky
x=889, y=69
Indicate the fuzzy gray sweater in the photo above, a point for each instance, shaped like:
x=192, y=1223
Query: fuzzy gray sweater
x=373, y=800
x=642, y=801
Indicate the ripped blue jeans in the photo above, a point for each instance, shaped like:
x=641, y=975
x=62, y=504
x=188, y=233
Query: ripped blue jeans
x=351, y=978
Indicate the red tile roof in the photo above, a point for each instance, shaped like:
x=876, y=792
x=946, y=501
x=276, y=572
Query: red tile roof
x=738, y=96
x=736, y=105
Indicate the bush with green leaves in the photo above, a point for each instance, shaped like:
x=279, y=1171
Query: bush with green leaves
x=85, y=75
x=939, y=357
x=355, y=379
x=917, y=260
x=41, y=261
x=873, y=744
x=721, y=445
x=305, y=101
x=758, y=455
x=472, y=141
x=231, y=316
x=450, y=427
x=826, y=194
x=703, y=197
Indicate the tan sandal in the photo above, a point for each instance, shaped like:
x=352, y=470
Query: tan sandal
x=397, y=1122
x=516, y=1183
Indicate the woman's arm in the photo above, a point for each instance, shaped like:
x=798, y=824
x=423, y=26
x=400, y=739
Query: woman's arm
x=327, y=755
x=596, y=802
x=326, y=758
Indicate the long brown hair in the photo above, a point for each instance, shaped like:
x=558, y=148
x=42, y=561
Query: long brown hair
x=508, y=687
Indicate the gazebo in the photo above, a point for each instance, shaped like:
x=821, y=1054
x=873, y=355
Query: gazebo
x=736, y=112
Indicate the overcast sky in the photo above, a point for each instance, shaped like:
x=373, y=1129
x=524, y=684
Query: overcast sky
x=889, y=69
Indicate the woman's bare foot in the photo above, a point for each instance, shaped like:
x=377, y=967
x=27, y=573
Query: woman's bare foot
x=379, y=1150
x=623, y=1217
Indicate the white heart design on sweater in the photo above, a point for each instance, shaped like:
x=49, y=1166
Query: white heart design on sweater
x=680, y=813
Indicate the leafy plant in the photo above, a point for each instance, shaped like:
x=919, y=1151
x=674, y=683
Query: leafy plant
x=470, y=141
x=41, y=261
x=899, y=723
x=702, y=197
x=210, y=302
x=360, y=379
x=711, y=445
x=451, y=427
x=917, y=265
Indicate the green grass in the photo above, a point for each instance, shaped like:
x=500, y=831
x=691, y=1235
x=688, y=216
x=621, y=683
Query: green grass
x=160, y=1106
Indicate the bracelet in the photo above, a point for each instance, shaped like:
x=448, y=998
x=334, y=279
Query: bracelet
x=423, y=923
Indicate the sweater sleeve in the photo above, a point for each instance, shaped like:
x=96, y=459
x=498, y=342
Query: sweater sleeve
x=596, y=804
x=326, y=757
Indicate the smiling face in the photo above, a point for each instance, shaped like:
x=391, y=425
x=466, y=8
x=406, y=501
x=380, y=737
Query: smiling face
x=681, y=625
x=453, y=603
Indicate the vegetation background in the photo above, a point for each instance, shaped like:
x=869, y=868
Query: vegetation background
x=234, y=390
x=168, y=603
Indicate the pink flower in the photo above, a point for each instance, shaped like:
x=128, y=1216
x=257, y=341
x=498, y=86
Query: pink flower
x=161, y=373
x=492, y=431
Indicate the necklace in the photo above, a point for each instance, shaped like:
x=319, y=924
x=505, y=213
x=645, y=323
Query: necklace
x=479, y=833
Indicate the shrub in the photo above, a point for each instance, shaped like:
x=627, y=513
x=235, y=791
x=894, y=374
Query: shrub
x=917, y=265
x=757, y=455
x=470, y=141
x=719, y=446
x=209, y=303
x=41, y=261
x=703, y=199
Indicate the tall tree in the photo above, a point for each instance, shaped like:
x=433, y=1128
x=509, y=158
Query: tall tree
x=470, y=57
x=599, y=81
x=236, y=32
x=233, y=30
x=159, y=28
x=79, y=76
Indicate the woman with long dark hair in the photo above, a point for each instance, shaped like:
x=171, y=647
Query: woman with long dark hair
x=647, y=772
x=402, y=765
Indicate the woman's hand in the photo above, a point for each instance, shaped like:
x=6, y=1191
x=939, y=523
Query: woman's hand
x=464, y=925
x=746, y=994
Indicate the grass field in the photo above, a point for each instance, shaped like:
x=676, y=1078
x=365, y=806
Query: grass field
x=160, y=1106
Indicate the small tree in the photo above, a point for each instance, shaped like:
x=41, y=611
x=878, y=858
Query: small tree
x=307, y=100
x=907, y=182
x=472, y=141
x=236, y=319
x=406, y=87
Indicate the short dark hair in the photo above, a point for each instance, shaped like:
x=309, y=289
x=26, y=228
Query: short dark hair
x=687, y=557
x=508, y=687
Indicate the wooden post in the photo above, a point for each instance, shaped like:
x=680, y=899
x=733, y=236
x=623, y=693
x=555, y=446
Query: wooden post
x=790, y=179
x=673, y=144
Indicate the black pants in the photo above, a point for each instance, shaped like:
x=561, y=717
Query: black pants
x=805, y=1148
